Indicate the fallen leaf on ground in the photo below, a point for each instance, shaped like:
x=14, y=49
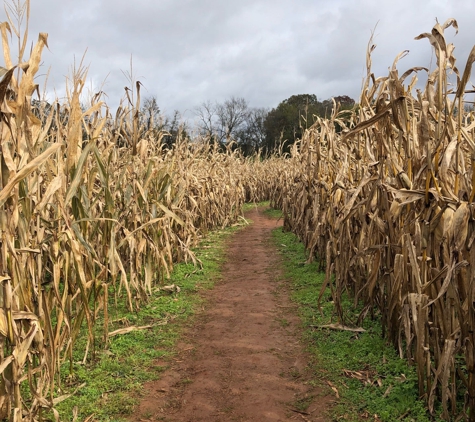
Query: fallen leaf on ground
x=128, y=330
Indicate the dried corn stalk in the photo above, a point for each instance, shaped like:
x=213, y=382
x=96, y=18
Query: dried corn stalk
x=387, y=202
x=93, y=209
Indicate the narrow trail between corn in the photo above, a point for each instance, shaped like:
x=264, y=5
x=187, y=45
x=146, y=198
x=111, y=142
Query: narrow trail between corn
x=242, y=360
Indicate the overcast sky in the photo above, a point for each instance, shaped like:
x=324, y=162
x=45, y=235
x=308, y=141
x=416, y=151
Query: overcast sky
x=189, y=51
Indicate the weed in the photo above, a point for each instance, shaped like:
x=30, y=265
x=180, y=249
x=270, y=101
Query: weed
x=303, y=403
x=284, y=322
x=294, y=373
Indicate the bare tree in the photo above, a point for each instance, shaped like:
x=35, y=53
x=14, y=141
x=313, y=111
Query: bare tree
x=231, y=117
x=150, y=112
x=206, y=114
x=223, y=121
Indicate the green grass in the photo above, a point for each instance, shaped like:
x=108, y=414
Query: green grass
x=250, y=205
x=109, y=386
x=390, y=391
x=270, y=212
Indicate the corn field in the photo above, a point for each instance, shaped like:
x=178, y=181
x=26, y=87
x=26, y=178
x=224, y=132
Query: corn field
x=93, y=205
x=384, y=197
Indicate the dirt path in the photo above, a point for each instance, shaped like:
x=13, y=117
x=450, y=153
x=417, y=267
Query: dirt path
x=242, y=360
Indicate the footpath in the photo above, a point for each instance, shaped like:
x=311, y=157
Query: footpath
x=243, y=359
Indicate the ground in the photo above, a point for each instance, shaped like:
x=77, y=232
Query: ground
x=243, y=359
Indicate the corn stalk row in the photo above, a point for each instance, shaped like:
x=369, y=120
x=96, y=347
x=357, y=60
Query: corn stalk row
x=384, y=197
x=92, y=206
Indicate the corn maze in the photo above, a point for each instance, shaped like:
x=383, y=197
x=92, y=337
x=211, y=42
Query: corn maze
x=92, y=205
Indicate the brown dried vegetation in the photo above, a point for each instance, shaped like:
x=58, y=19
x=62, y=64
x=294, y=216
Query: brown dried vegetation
x=92, y=204
x=387, y=203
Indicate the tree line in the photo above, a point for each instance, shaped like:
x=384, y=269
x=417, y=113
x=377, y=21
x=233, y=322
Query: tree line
x=260, y=128
x=251, y=129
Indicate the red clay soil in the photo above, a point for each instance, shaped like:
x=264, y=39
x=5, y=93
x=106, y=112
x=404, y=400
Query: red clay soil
x=242, y=360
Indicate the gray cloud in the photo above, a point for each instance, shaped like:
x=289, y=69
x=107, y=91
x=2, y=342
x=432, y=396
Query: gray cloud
x=188, y=51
